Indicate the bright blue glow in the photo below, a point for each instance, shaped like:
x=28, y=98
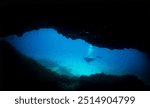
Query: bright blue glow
x=64, y=55
x=90, y=50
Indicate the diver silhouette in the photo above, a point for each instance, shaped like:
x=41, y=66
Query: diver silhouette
x=89, y=59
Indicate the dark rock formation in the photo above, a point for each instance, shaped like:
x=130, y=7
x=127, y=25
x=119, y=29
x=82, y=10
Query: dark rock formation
x=108, y=82
x=19, y=72
x=104, y=23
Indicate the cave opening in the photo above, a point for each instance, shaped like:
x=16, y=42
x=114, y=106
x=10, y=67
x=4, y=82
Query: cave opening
x=76, y=57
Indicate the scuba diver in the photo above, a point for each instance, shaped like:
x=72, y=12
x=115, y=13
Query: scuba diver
x=90, y=59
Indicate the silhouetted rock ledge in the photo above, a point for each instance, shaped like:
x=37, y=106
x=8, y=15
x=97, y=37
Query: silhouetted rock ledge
x=103, y=23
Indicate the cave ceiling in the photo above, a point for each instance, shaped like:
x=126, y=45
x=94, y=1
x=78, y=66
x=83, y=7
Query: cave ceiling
x=101, y=23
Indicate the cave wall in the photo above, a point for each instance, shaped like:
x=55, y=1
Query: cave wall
x=112, y=24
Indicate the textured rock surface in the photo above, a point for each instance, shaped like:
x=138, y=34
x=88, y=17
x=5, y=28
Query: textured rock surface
x=105, y=24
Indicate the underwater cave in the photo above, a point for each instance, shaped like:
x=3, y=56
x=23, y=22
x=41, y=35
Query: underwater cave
x=68, y=56
x=78, y=45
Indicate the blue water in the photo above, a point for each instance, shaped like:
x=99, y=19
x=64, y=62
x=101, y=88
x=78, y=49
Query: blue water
x=66, y=56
